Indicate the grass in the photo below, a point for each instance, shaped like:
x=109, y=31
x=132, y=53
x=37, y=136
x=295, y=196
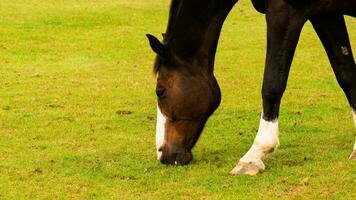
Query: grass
x=77, y=109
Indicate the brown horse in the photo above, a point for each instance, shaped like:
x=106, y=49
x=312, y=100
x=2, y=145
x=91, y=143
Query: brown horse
x=188, y=92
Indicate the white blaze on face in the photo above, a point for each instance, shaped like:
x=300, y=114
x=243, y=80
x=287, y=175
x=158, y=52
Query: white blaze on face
x=160, y=131
x=265, y=142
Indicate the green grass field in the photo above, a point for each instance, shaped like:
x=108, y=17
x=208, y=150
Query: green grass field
x=77, y=109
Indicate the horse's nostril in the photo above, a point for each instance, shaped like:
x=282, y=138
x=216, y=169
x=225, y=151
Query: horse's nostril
x=160, y=149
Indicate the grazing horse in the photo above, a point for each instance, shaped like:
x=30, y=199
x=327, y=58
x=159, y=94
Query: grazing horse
x=188, y=92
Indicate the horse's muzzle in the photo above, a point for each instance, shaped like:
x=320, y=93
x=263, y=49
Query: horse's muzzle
x=176, y=156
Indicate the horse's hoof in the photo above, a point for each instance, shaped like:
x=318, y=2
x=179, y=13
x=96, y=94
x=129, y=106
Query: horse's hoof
x=353, y=155
x=247, y=169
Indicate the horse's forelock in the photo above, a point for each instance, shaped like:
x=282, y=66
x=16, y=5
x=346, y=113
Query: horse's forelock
x=156, y=65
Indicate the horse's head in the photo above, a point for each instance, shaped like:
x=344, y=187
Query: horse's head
x=187, y=95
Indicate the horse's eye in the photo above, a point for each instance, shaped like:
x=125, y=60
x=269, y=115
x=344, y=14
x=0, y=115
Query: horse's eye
x=160, y=91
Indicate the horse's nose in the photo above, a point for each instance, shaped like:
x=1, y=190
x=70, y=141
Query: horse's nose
x=176, y=156
x=168, y=159
x=184, y=158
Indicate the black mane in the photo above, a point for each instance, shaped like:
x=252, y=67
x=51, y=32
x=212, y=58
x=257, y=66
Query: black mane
x=173, y=13
x=194, y=27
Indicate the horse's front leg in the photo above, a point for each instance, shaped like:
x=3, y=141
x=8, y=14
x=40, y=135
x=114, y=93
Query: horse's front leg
x=283, y=29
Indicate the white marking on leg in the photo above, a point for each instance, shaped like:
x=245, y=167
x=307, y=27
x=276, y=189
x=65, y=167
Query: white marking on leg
x=353, y=154
x=354, y=114
x=160, y=131
x=265, y=142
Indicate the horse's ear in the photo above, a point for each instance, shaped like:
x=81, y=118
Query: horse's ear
x=158, y=47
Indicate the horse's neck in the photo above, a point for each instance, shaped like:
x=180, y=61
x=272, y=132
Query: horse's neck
x=195, y=27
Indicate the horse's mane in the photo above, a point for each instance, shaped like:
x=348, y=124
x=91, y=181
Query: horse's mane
x=173, y=13
x=168, y=35
x=186, y=22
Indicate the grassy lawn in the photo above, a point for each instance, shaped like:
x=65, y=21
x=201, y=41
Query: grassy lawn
x=77, y=109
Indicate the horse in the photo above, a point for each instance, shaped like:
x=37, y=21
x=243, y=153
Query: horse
x=188, y=92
